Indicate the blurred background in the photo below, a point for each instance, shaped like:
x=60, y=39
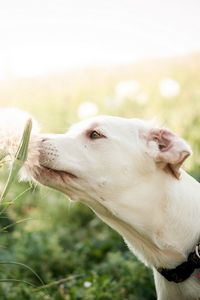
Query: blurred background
x=64, y=61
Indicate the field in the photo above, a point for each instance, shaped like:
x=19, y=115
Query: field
x=44, y=236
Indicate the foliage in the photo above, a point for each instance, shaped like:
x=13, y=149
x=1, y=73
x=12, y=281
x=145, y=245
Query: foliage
x=64, y=240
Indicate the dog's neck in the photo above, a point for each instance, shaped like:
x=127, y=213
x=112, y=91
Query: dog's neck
x=160, y=237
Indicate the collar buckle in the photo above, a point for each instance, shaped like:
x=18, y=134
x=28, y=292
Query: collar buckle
x=197, y=250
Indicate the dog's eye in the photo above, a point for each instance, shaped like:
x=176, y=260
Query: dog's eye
x=95, y=135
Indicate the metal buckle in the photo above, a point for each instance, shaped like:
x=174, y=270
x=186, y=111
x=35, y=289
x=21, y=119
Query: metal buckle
x=197, y=250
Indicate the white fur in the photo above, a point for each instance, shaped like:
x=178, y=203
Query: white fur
x=157, y=214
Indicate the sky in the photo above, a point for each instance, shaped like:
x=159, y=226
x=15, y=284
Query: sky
x=44, y=36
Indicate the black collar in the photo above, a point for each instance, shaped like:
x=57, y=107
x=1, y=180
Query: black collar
x=184, y=270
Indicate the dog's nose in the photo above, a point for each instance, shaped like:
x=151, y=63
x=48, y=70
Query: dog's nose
x=44, y=140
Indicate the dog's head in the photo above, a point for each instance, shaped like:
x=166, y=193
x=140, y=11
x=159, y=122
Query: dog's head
x=103, y=157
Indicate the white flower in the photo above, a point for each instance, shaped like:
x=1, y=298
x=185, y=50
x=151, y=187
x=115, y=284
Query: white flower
x=127, y=89
x=87, y=284
x=87, y=109
x=169, y=88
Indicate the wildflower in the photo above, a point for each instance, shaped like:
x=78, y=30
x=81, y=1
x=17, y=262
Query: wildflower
x=87, y=284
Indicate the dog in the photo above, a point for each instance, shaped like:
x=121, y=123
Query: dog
x=128, y=171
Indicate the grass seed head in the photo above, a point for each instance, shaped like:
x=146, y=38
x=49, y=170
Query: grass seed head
x=20, y=157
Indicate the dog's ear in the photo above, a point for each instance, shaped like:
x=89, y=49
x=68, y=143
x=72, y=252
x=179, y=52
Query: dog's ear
x=167, y=149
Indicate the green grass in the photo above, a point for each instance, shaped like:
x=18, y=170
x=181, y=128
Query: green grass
x=66, y=245
x=63, y=242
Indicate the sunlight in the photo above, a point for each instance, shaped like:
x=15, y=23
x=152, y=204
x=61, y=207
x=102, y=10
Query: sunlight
x=169, y=88
x=87, y=110
x=127, y=89
x=51, y=36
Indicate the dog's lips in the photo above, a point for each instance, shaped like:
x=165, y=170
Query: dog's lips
x=49, y=172
x=53, y=173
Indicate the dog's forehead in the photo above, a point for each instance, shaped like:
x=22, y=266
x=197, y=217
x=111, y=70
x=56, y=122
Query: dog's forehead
x=110, y=123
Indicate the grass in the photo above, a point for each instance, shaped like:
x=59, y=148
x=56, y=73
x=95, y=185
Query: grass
x=72, y=251
x=67, y=246
x=19, y=159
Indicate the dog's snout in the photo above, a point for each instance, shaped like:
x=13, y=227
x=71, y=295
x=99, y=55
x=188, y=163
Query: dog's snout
x=48, y=152
x=44, y=140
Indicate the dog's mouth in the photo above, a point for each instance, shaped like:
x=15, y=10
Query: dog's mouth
x=48, y=173
x=53, y=174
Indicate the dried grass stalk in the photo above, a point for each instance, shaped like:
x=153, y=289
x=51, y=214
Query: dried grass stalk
x=19, y=159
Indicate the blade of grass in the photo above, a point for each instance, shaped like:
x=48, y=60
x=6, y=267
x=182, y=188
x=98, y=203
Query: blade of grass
x=2, y=155
x=14, y=223
x=7, y=204
x=23, y=265
x=17, y=281
x=62, y=280
x=20, y=157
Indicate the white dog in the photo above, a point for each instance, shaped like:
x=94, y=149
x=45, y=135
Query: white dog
x=128, y=172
